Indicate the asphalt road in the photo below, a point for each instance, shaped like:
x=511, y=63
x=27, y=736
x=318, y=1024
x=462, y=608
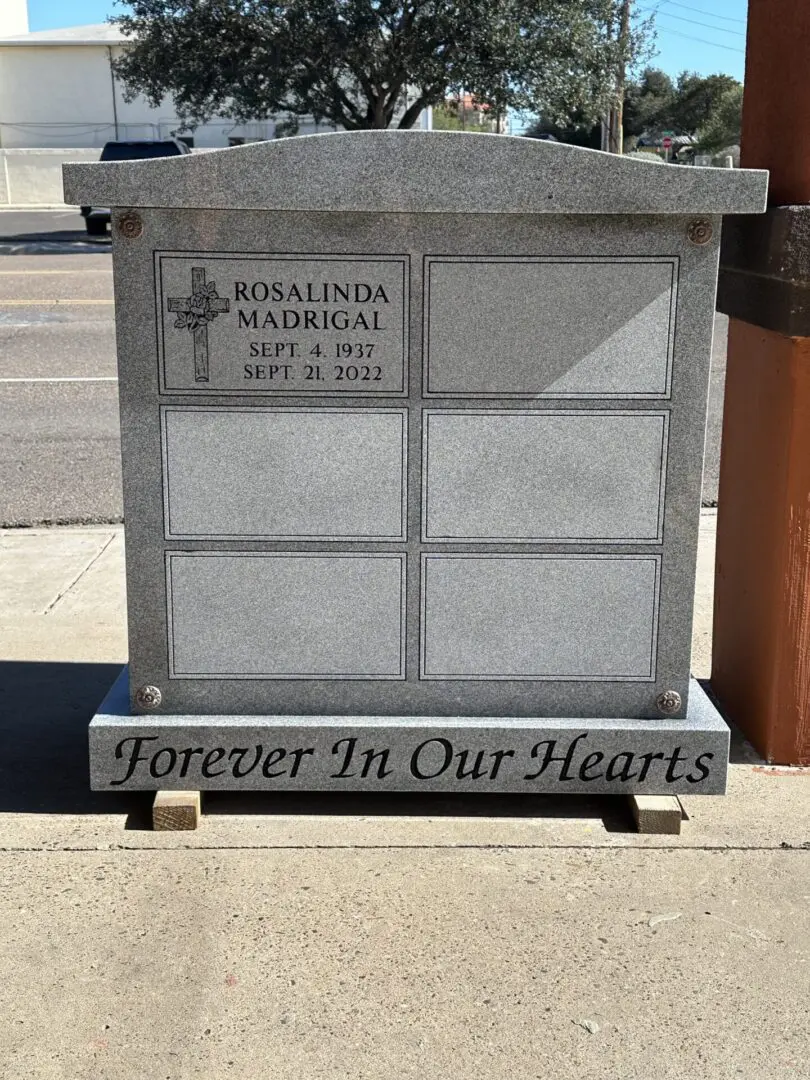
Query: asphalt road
x=59, y=433
x=35, y=232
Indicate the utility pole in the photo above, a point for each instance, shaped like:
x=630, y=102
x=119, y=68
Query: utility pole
x=614, y=135
x=112, y=85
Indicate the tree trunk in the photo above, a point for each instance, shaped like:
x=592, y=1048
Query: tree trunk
x=378, y=105
x=411, y=114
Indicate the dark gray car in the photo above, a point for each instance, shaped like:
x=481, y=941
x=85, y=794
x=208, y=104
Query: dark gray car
x=97, y=218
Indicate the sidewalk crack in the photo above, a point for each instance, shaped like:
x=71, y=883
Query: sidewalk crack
x=59, y=596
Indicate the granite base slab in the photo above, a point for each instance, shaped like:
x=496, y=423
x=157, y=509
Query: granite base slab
x=422, y=753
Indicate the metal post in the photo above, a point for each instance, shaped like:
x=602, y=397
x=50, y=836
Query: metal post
x=761, y=640
x=112, y=83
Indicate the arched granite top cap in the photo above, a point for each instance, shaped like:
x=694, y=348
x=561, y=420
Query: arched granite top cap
x=417, y=172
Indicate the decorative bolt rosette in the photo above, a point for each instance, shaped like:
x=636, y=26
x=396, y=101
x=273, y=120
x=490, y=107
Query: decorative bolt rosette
x=700, y=231
x=669, y=702
x=148, y=697
x=130, y=225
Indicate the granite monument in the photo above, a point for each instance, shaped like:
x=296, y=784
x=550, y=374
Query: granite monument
x=412, y=432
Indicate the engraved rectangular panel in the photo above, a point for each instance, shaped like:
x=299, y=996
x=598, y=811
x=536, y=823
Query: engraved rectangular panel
x=583, y=617
x=561, y=476
x=305, y=474
x=246, y=615
x=295, y=324
x=586, y=328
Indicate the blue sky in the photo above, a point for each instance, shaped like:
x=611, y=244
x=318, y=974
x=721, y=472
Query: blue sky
x=699, y=35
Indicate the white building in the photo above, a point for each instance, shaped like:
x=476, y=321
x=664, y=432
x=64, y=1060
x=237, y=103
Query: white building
x=58, y=90
x=61, y=101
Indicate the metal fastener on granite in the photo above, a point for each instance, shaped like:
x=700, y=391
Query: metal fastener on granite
x=148, y=697
x=669, y=702
x=130, y=225
x=700, y=231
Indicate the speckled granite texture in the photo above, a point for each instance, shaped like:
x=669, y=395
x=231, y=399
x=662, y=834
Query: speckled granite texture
x=417, y=172
x=328, y=304
x=408, y=753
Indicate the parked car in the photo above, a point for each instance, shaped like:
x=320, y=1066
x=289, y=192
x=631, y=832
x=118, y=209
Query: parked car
x=97, y=218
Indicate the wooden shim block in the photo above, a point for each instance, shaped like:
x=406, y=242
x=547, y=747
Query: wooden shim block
x=176, y=811
x=656, y=813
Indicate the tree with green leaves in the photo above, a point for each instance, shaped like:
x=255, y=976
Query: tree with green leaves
x=370, y=63
x=723, y=125
x=648, y=102
x=706, y=108
x=657, y=103
x=696, y=98
x=579, y=130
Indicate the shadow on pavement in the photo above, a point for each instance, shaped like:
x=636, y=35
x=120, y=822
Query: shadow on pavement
x=48, y=232
x=55, y=243
x=613, y=812
x=740, y=751
x=44, y=712
x=45, y=709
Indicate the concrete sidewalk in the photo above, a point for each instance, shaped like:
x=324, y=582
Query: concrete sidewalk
x=371, y=937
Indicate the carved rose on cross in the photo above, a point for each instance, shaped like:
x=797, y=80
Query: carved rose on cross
x=200, y=311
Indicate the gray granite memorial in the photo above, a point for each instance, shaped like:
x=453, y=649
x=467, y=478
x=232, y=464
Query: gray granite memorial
x=412, y=430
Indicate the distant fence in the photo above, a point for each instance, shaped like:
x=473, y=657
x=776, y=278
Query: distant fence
x=33, y=178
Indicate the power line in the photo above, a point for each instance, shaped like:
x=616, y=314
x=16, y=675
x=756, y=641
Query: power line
x=701, y=11
x=703, y=41
x=656, y=10
x=697, y=22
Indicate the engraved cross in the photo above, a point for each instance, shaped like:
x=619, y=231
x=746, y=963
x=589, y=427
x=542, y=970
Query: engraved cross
x=194, y=313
